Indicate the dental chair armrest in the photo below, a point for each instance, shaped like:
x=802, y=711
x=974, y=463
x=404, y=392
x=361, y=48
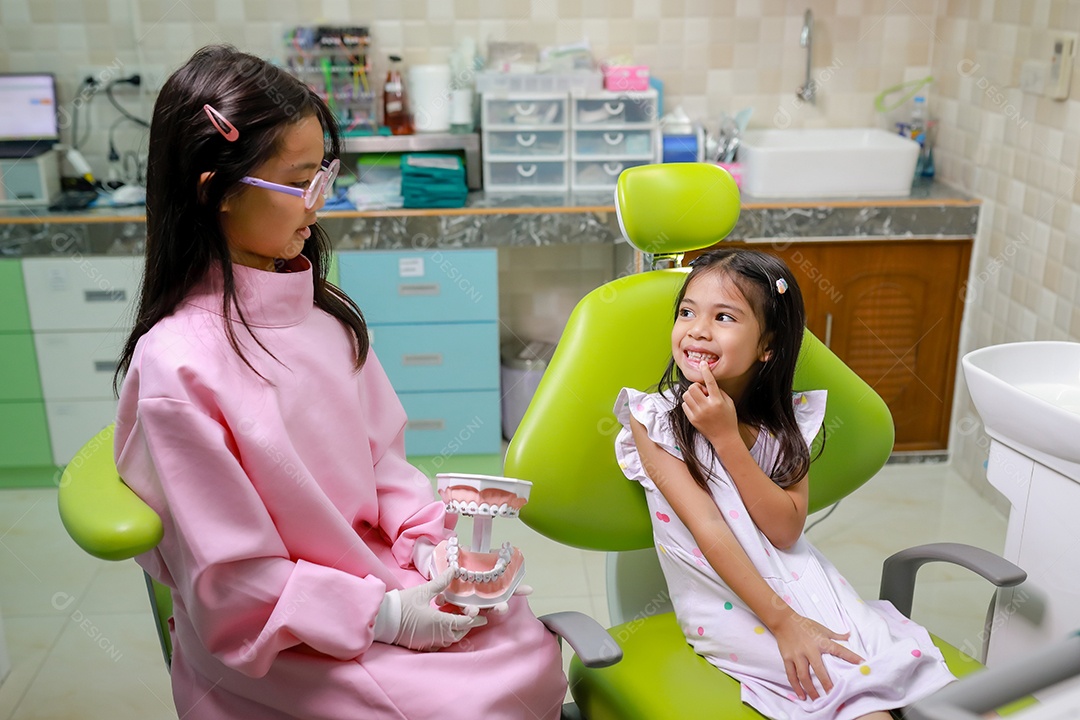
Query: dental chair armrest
x=590, y=641
x=898, y=572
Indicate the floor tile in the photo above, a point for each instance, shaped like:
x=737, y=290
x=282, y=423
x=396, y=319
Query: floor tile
x=101, y=669
x=29, y=641
x=38, y=561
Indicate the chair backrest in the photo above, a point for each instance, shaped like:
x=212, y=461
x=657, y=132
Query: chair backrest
x=619, y=336
x=109, y=521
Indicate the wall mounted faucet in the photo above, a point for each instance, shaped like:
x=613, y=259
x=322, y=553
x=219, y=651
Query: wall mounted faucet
x=808, y=90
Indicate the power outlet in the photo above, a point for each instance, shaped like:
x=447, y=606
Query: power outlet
x=152, y=77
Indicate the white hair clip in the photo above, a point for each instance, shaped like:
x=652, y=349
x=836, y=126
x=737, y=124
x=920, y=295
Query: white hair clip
x=781, y=286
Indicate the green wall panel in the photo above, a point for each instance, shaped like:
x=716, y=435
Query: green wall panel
x=24, y=435
x=14, y=315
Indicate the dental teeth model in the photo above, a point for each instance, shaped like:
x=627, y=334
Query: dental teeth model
x=481, y=578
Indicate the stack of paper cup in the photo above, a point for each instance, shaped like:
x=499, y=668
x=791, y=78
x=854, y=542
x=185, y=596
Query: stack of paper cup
x=429, y=96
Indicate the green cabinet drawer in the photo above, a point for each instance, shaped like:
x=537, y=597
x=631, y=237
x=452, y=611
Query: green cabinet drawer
x=17, y=357
x=26, y=435
x=422, y=286
x=14, y=315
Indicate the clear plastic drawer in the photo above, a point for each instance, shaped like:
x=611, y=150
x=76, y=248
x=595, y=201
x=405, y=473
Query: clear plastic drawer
x=607, y=143
x=525, y=143
x=539, y=112
x=525, y=175
x=629, y=108
x=599, y=174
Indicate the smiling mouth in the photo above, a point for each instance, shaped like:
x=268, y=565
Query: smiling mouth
x=696, y=356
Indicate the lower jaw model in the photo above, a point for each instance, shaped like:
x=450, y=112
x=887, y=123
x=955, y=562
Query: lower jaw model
x=481, y=578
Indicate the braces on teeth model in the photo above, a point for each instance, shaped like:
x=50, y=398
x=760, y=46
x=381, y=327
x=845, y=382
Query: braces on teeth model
x=482, y=578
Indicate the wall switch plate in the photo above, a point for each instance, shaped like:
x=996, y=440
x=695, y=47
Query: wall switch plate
x=1062, y=52
x=1033, y=76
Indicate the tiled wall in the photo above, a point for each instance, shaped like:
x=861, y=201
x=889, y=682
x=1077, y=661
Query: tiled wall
x=713, y=55
x=1017, y=152
x=1020, y=154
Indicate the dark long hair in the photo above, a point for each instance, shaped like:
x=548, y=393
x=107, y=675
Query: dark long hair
x=766, y=402
x=183, y=233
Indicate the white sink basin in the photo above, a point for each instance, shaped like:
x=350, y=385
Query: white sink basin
x=827, y=163
x=1028, y=395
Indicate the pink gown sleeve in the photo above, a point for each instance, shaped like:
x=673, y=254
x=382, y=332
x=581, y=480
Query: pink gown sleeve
x=247, y=599
x=402, y=488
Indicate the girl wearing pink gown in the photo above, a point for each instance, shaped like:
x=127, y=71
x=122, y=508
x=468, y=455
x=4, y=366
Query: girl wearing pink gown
x=256, y=421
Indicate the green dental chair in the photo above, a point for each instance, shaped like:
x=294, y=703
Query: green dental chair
x=619, y=335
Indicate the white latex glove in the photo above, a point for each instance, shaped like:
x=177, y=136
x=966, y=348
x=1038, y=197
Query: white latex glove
x=523, y=590
x=419, y=624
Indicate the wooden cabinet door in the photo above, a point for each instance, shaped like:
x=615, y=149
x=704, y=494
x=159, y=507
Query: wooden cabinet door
x=891, y=311
x=898, y=328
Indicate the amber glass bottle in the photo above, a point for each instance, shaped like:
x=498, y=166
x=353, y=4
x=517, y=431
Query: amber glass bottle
x=395, y=103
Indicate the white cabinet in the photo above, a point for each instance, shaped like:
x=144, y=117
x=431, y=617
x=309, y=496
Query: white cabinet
x=1041, y=539
x=567, y=141
x=525, y=143
x=610, y=133
x=81, y=309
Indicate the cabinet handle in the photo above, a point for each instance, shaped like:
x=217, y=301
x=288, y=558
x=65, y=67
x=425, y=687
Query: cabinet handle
x=526, y=170
x=105, y=366
x=525, y=108
x=828, y=330
x=613, y=138
x=105, y=295
x=426, y=424
x=414, y=359
x=526, y=140
x=613, y=109
x=410, y=289
x=613, y=168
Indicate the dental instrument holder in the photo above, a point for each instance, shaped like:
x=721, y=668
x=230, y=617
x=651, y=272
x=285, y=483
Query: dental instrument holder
x=482, y=515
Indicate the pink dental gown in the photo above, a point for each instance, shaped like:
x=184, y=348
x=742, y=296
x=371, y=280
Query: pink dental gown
x=901, y=663
x=289, y=510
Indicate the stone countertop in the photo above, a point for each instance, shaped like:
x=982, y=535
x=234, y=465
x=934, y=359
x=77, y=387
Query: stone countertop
x=932, y=210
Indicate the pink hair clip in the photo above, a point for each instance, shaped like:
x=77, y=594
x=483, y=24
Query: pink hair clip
x=781, y=285
x=221, y=124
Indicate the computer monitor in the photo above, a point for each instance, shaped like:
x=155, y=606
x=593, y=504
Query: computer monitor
x=29, y=120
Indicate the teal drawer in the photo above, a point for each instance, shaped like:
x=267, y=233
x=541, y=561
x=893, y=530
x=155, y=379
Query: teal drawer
x=452, y=423
x=20, y=380
x=14, y=314
x=422, y=286
x=26, y=435
x=449, y=356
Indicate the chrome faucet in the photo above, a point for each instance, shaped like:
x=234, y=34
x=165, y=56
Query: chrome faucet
x=808, y=90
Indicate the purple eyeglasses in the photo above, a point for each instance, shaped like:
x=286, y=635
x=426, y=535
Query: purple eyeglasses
x=321, y=185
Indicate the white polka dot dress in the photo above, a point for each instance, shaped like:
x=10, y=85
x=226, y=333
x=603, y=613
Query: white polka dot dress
x=901, y=664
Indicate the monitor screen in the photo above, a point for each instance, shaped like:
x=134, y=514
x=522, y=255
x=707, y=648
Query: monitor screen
x=28, y=107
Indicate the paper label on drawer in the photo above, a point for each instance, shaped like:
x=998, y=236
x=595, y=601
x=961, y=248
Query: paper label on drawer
x=58, y=279
x=411, y=267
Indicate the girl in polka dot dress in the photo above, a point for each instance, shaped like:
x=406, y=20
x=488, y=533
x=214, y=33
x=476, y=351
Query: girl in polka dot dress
x=751, y=594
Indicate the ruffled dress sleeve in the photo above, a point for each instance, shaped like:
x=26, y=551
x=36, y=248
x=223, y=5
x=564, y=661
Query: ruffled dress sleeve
x=809, y=412
x=649, y=409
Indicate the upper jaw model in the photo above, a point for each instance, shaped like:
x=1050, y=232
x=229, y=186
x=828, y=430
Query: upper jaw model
x=481, y=578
